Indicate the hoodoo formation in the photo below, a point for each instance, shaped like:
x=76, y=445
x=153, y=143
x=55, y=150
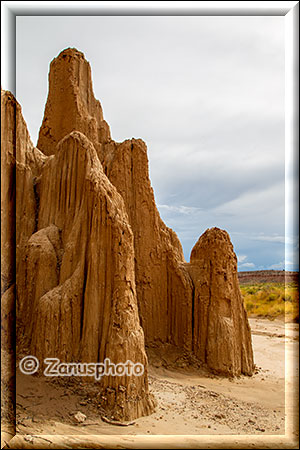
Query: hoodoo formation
x=98, y=273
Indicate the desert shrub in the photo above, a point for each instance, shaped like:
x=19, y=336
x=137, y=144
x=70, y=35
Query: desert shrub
x=251, y=291
x=272, y=300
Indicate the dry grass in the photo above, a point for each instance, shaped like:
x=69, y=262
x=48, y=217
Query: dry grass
x=272, y=300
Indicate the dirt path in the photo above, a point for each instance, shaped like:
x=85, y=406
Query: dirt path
x=188, y=404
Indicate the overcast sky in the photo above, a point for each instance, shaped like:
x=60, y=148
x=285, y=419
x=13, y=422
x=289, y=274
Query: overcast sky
x=207, y=96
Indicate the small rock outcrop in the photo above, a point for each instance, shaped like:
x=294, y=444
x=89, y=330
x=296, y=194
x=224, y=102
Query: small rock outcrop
x=98, y=273
x=222, y=336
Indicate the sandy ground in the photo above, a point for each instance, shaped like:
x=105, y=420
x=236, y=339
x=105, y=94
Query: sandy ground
x=188, y=403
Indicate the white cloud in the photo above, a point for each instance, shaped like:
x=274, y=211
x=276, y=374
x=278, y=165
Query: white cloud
x=277, y=266
x=241, y=258
x=179, y=209
x=288, y=265
x=263, y=237
x=247, y=265
x=257, y=201
x=274, y=238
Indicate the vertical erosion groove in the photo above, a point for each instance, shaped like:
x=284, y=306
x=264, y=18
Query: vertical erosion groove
x=208, y=311
x=193, y=315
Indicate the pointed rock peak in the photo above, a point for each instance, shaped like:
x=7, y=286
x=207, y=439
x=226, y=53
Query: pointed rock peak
x=211, y=238
x=215, y=233
x=69, y=56
x=71, y=104
x=77, y=137
x=71, y=52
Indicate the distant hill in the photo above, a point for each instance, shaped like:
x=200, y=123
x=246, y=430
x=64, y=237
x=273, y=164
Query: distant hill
x=268, y=276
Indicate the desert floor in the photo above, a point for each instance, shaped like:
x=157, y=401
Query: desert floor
x=188, y=403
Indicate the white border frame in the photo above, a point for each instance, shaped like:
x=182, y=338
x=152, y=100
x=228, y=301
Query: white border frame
x=290, y=10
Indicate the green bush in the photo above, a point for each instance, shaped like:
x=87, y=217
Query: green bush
x=271, y=300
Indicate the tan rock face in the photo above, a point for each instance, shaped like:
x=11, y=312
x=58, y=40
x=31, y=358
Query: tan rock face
x=73, y=106
x=82, y=262
x=96, y=266
x=20, y=163
x=8, y=189
x=163, y=287
x=221, y=336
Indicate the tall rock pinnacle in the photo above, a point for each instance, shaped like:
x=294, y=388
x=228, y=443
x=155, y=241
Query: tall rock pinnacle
x=71, y=104
x=221, y=335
